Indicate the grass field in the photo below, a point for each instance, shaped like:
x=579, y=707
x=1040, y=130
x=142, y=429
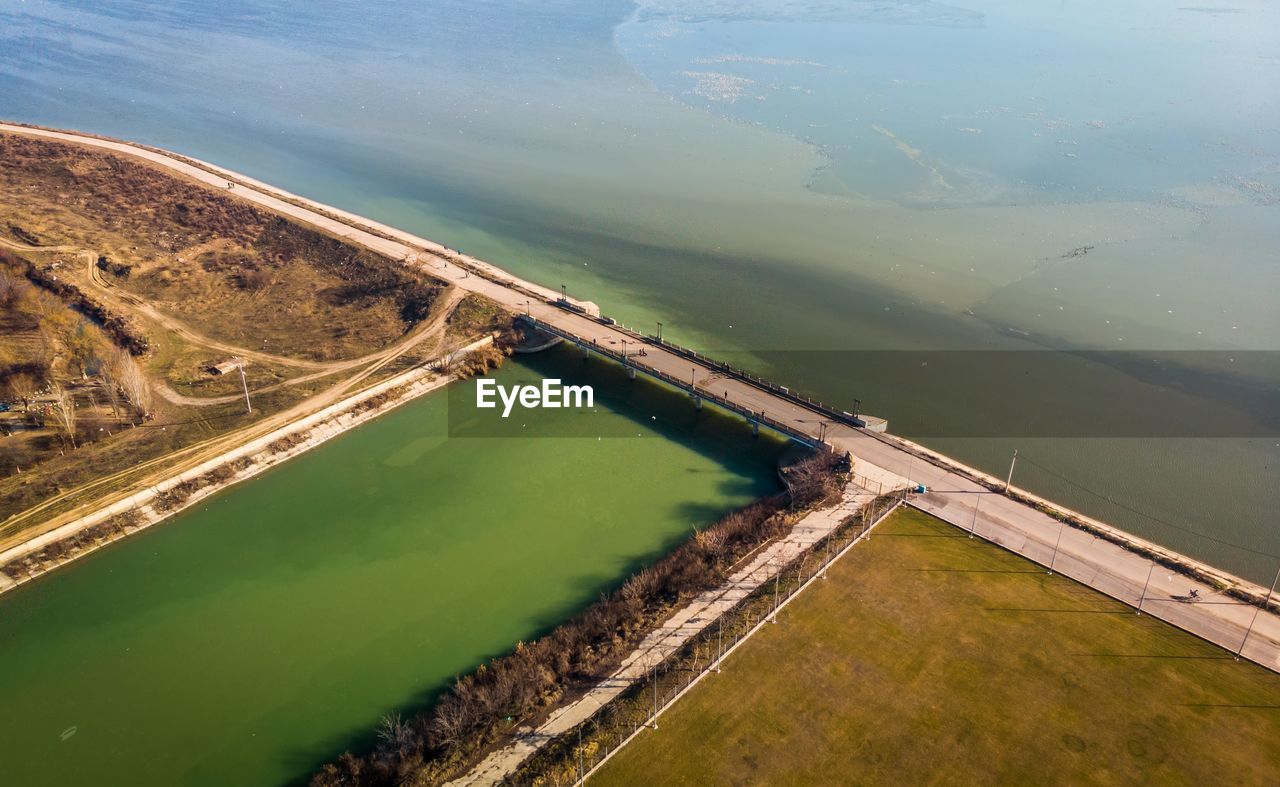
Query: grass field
x=928, y=657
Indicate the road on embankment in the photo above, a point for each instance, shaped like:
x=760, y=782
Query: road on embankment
x=1021, y=527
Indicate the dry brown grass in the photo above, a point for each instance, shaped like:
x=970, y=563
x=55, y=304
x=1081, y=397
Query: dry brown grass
x=227, y=268
x=197, y=273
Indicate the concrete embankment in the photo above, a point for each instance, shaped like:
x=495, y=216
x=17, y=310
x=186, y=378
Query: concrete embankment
x=144, y=507
x=684, y=624
x=1226, y=610
x=1099, y=552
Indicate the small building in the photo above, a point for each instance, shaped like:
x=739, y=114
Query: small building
x=226, y=367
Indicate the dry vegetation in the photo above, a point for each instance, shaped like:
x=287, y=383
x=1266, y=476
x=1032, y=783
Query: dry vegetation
x=529, y=682
x=120, y=285
x=229, y=269
x=65, y=380
x=476, y=315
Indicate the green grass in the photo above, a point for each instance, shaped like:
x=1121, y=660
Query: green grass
x=930, y=657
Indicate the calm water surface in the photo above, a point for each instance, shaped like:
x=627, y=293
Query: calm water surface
x=773, y=180
x=252, y=639
x=769, y=176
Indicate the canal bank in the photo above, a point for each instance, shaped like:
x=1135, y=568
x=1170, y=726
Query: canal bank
x=56, y=548
x=268, y=628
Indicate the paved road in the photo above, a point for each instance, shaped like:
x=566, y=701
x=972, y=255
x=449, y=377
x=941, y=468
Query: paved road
x=1022, y=527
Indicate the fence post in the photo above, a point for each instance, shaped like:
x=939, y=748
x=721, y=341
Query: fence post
x=720, y=645
x=655, y=696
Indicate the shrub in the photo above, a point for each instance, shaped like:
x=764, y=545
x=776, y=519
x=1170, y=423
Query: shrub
x=475, y=709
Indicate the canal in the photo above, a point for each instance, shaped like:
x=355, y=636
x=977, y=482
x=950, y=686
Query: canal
x=253, y=638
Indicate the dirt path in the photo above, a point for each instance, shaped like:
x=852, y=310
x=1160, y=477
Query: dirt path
x=132, y=305
x=12, y=244
x=153, y=470
x=423, y=332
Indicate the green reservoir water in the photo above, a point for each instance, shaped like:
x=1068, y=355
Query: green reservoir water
x=250, y=640
x=780, y=182
x=771, y=178
x=774, y=180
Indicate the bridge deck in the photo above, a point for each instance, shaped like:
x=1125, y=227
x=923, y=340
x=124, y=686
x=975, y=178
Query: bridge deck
x=1097, y=562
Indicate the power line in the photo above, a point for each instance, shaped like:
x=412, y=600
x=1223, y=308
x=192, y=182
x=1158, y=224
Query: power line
x=1144, y=514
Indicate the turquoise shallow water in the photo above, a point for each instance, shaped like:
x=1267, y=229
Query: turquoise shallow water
x=253, y=638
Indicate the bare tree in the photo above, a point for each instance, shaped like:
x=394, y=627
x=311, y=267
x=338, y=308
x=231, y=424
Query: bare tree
x=396, y=735
x=714, y=542
x=123, y=371
x=13, y=287
x=641, y=585
x=451, y=721
x=23, y=386
x=64, y=409
x=112, y=391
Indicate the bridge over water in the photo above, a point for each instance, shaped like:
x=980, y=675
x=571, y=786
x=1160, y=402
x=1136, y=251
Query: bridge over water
x=804, y=420
x=1096, y=554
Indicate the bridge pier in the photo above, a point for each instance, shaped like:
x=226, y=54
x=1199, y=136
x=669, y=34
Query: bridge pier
x=755, y=428
x=697, y=402
x=631, y=372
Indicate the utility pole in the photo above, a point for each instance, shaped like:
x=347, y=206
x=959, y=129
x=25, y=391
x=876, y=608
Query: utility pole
x=564, y=291
x=973, y=526
x=659, y=333
x=245, y=385
x=579, y=753
x=1143, y=597
x=1009, y=480
x=693, y=373
x=1061, y=526
x=1265, y=604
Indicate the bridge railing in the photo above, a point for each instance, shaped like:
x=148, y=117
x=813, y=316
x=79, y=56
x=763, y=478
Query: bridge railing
x=628, y=360
x=781, y=392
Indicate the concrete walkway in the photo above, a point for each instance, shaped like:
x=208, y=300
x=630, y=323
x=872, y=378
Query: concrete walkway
x=1096, y=562
x=1118, y=570
x=681, y=627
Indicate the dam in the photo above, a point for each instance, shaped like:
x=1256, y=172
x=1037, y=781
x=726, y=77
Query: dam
x=1103, y=557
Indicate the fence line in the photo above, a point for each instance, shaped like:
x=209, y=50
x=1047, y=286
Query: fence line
x=1157, y=596
x=578, y=753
